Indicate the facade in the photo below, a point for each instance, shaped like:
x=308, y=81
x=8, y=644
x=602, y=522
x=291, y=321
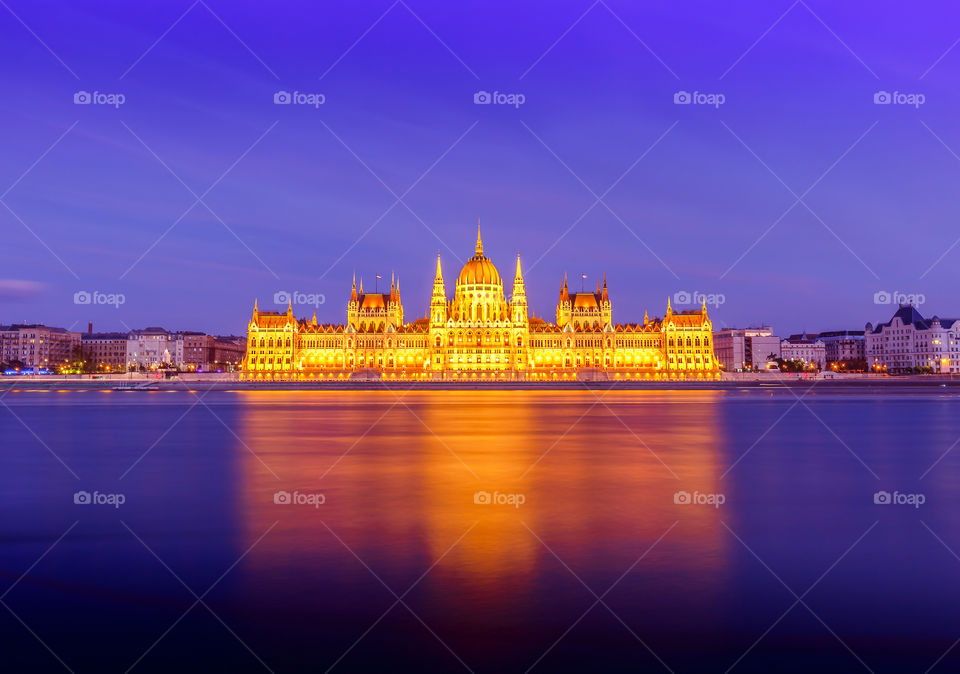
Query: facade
x=809, y=350
x=745, y=348
x=228, y=353
x=38, y=346
x=151, y=348
x=106, y=351
x=480, y=334
x=844, y=347
x=908, y=342
x=155, y=347
x=198, y=351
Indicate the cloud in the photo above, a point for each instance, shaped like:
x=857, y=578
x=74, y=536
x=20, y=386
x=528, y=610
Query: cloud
x=16, y=289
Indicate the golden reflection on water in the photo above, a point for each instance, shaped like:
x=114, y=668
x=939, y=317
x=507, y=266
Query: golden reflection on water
x=400, y=472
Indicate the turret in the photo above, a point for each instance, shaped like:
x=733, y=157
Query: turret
x=606, y=309
x=353, y=306
x=438, y=301
x=518, y=301
x=564, y=306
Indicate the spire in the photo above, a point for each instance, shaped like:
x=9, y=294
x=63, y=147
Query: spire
x=646, y=318
x=519, y=293
x=255, y=310
x=604, y=296
x=314, y=321
x=598, y=286
x=393, y=285
x=439, y=299
x=353, y=290
x=669, y=308
x=704, y=310
x=290, y=308
x=479, y=248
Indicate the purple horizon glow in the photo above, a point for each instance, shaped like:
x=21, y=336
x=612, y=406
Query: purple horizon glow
x=880, y=214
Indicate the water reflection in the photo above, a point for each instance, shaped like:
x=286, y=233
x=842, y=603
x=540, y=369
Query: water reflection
x=400, y=479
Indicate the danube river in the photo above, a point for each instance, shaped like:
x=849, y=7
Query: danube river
x=486, y=531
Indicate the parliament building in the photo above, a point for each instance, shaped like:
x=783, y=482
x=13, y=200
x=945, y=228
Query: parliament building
x=480, y=335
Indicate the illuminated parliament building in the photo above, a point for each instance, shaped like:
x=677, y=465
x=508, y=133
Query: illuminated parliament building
x=480, y=334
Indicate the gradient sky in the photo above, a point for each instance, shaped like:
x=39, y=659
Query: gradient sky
x=296, y=198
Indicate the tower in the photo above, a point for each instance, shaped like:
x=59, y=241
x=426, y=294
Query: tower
x=438, y=302
x=518, y=300
x=564, y=306
x=353, y=306
x=606, y=308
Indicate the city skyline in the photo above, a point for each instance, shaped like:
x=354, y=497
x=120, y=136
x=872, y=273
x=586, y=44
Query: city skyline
x=298, y=195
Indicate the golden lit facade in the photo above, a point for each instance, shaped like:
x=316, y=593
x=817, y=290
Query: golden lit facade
x=478, y=335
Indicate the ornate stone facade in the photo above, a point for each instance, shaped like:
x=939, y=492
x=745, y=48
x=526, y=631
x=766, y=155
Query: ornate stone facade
x=480, y=335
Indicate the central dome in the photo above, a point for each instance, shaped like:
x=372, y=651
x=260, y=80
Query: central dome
x=479, y=268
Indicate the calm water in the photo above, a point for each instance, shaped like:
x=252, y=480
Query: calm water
x=485, y=587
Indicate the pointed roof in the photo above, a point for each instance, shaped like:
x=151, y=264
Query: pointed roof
x=439, y=274
x=479, y=249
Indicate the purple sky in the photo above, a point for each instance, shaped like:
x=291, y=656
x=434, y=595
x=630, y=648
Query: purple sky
x=290, y=193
